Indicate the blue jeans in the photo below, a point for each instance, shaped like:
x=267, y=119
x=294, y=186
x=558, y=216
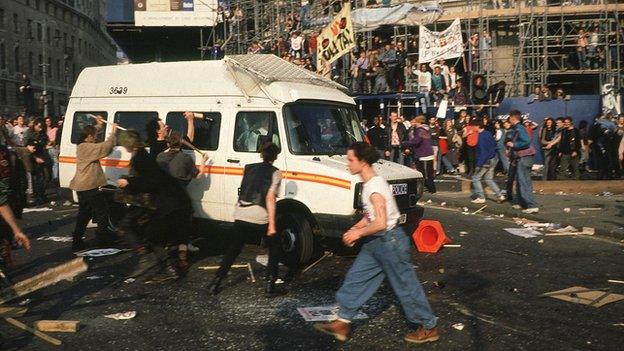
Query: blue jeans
x=396, y=155
x=487, y=174
x=425, y=100
x=524, y=183
x=386, y=256
x=503, y=159
x=444, y=164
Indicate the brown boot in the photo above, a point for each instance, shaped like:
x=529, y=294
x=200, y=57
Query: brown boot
x=339, y=329
x=422, y=335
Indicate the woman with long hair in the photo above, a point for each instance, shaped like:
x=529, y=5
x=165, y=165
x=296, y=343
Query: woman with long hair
x=547, y=134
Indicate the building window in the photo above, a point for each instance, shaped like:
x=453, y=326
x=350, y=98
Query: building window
x=31, y=64
x=3, y=93
x=16, y=59
x=57, y=37
x=15, y=23
x=39, y=31
x=29, y=33
x=2, y=56
x=38, y=4
x=2, y=21
x=48, y=36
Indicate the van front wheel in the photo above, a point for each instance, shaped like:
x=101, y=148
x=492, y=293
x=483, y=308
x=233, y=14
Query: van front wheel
x=297, y=238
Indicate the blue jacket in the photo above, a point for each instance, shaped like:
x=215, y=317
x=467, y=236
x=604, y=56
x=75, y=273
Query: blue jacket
x=486, y=148
x=520, y=137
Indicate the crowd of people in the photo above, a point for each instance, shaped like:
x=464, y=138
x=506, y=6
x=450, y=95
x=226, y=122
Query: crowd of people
x=479, y=147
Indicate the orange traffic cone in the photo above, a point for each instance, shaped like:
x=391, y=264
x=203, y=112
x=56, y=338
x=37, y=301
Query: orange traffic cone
x=429, y=236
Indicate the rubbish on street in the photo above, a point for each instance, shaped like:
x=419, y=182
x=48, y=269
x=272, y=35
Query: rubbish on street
x=41, y=209
x=618, y=324
x=61, y=239
x=443, y=204
x=590, y=209
x=324, y=313
x=465, y=209
x=452, y=245
x=24, y=302
x=540, y=241
x=248, y=266
x=94, y=277
x=585, y=231
x=479, y=210
x=98, y=252
x=458, y=326
x=129, y=280
x=523, y=232
x=566, y=210
x=67, y=203
x=11, y=311
x=516, y=253
x=65, y=271
x=57, y=326
x=326, y=254
x=560, y=193
x=429, y=201
x=540, y=225
x=615, y=281
x=122, y=315
x=565, y=229
x=439, y=284
x=585, y=296
x=35, y=332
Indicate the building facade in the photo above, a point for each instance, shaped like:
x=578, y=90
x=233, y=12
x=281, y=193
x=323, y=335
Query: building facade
x=55, y=38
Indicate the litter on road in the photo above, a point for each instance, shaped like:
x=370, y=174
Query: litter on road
x=61, y=239
x=57, y=326
x=452, y=245
x=585, y=296
x=458, y=326
x=98, y=252
x=323, y=313
x=523, y=232
x=122, y=315
x=41, y=209
x=615, y=281
x=35, y=332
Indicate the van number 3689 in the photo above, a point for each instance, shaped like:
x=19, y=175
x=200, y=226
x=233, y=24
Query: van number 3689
x=118, y=90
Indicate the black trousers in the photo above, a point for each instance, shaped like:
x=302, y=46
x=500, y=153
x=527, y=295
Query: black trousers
x=426, y=168
x=471, y=159
x=511, y=176
x=243, y=232
x=91, y=203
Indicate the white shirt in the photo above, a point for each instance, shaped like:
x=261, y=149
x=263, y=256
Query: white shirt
x=379, y=185
x=424, y=80
x=295, y=43
x=18, y=135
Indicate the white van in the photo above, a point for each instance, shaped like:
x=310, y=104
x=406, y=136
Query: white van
x=244, y=99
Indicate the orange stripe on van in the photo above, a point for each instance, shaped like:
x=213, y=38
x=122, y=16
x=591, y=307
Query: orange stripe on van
x=237, y=171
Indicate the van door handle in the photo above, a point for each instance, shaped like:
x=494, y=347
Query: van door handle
x=232, y=160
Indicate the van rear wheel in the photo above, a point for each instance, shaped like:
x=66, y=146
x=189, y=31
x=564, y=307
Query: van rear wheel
x=297, y=238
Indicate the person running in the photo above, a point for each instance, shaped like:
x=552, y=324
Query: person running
x=255, y=217
x=86, y=182
x=485, y=166
x=385, y=253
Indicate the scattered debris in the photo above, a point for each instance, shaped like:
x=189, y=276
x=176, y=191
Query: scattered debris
x=462, y=233
x=458, y=326
x=57, y=326
x=326, y=254
x=40, y=209
x=129, y=280
x=321, y=314
x=443, y=204
x=479, y=210
x=264, y=260
x=516, y=253
x=439, y=284
x=585, y=296
x=61, y=239
x=488, y=218
x=500, y=215
x=94, y=277
x=615, y=281
x=122, y=315
x=565, y=229
x=618, y=324
x=590, y=209
x=441, y=270
x=98, y=252
x=52, y=203
x=566, y=210
x=465, y=209
x=248, y=266
x=35, y=332
x=560, y=193
x=523, y=232
x=67, y=203
x=573, y=231
x=65, y=271
x=540, y=241
x=452, y=245
x=429, y=201
x=606, y=193
x=514, y=290
x=24, y=302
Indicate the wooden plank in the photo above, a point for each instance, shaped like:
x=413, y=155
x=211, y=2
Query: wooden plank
x=57, y=326
x=65, y=271
x=12, y=311
x=36, y=333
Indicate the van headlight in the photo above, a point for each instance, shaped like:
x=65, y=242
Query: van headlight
x=357, y=197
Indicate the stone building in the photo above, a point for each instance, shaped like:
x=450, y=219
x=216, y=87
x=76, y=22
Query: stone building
x=55, y=37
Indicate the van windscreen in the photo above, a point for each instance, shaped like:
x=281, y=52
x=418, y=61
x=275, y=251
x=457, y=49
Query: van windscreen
x=321, y=129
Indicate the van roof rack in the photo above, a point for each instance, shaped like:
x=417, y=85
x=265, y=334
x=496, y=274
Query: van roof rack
x=270, y=68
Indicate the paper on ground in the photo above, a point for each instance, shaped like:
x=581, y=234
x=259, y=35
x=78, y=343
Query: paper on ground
x=523, y=232
x=585, y=296
x=263, y=260
x=122, y=315
x=62, y=239
x=42, y=209
x=323, y=313
x=98, y=252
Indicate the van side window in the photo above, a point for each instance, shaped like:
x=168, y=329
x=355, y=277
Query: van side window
x=82, y=119
x=206, y=129
x=252, y=129
x=136, y=121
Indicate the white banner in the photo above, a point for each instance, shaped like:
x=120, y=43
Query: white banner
x=447, y=44
x=175, y=13
x=336, y=39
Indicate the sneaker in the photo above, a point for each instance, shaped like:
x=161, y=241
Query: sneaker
x=516, y=207
x=422, y=335
x=478, y=200
x=338, y=329
x=531, y=210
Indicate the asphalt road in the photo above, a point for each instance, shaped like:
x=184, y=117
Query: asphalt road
x=493, y=292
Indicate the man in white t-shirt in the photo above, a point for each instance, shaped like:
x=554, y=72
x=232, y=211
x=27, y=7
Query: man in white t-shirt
x=19, y=131
x=295, y=44
x=385, y=253
x=424, y=86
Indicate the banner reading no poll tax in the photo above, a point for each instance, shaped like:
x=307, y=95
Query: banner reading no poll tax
x=336, y=39
x=176, y=13
x=447, y=44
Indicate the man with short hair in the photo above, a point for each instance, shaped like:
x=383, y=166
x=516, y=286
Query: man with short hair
x=396, y=135
x=424, y=86
x=522, y=156
x=485, y=166
x=377, y=135
x=569, y=150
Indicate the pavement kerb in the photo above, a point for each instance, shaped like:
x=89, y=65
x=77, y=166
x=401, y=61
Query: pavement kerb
x=510, y=213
